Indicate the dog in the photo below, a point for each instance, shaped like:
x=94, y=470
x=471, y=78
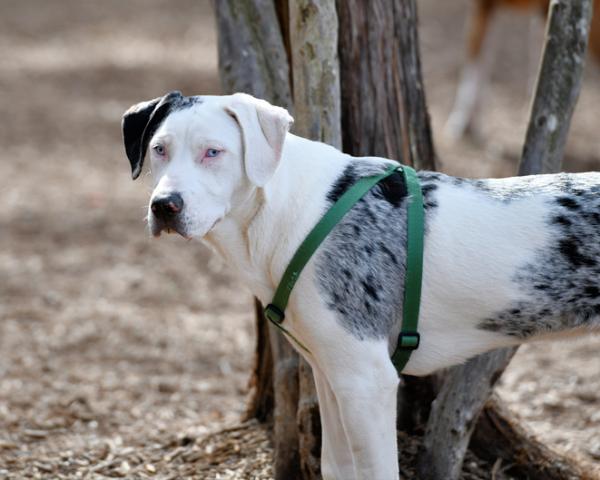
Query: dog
x=505, y=260
x=463, y=117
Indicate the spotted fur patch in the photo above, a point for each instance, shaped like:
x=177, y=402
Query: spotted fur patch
x=562, y=286
x=362, y=263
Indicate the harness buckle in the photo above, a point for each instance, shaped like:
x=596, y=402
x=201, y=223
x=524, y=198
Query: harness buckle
x=274, y=314
x=409, y=340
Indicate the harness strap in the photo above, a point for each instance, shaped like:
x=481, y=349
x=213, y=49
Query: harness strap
x=409, y=338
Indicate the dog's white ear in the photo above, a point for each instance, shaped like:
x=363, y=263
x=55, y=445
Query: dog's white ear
x=264, y=127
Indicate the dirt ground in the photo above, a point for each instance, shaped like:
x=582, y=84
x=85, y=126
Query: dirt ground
x=125, y=356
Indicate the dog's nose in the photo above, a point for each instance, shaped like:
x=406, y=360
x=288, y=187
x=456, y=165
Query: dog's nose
x=166, y=207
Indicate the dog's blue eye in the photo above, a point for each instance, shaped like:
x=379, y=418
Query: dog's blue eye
x=212, y=152
x=159, y=149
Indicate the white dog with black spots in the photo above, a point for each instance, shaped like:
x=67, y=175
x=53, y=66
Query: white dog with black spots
x=505, y=260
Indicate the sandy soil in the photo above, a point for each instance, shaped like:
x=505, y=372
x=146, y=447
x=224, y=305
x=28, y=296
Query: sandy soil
x=121, y=354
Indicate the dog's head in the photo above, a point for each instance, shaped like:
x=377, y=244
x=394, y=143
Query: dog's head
x=206, y=155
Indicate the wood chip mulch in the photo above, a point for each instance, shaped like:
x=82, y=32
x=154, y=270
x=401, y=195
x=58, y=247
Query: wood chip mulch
x=240, y=452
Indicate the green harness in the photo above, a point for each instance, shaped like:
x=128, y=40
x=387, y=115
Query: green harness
x=409, y=338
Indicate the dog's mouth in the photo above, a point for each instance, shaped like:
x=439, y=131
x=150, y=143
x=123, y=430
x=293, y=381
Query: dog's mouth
x=157, y=228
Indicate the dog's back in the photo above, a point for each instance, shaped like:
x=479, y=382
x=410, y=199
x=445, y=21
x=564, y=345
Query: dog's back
x=515, y=257
x=547, y=227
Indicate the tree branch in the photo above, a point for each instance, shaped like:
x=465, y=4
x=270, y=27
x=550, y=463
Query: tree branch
x=558, y=86
x=529, y=457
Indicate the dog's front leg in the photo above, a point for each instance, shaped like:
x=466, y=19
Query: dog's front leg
x=365, y=384
x=336, y=455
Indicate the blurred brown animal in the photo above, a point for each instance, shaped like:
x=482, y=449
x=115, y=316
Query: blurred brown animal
x=461, y=120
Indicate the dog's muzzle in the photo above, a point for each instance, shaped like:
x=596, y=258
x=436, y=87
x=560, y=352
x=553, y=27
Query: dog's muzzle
x=166, y=211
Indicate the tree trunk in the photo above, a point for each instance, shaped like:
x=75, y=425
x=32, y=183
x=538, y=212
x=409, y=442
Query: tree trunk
x=261, y=400
x=285, y=427
x=558, y=86
x=455, y=411
x=416, y=125
x=384, y=111
x=316, y=90
x=253, y=59
x=467, y=388
x=315, y=70
x=252, y=56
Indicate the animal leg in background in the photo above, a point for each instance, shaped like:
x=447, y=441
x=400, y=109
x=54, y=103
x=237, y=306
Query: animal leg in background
x=465, y=111
x=468, y=96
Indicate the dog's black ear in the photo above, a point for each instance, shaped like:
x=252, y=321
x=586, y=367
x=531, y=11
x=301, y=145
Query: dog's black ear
x=139, y=124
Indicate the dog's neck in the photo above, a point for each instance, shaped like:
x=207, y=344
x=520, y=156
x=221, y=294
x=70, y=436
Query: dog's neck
x=258, y=237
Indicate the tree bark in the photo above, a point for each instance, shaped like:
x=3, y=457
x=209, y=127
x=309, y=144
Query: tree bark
x=285, y=427
x=384, y=111
x=252, y=56
x=467, y=388
x=309, y=424
x=315, y=70
x=455, y=411
x=261, y=400
x=558, y=85
x=417, y=137
x=253, y=59
x=316, y=89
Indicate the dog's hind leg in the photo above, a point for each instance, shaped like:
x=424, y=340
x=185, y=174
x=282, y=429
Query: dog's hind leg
x=364, y=384
x=336, y=456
